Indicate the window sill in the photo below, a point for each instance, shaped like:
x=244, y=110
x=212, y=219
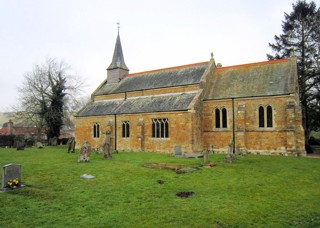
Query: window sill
x=266, y=129
x=160, y=138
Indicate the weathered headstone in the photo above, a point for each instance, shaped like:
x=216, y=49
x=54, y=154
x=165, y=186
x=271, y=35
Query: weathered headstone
x=29, y=142
x=231, y=156
x=211, y=148
x=11, y=176
x=53, y=141
x=230, y=149
x=107, y=146
x=19, y=142
x=71, y=145
x=206, y=159
x=177, y=150
x=39, y=145
x=20, y=145
x=85, y=152
x=98, y=150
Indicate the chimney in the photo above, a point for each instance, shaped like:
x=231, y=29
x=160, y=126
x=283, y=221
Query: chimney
x=10, y=127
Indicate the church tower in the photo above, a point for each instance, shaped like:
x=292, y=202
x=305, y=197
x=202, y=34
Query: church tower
x=117, y=68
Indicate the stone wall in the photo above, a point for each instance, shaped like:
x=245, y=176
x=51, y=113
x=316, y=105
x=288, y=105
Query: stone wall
x=180, y=127
x=284, y=137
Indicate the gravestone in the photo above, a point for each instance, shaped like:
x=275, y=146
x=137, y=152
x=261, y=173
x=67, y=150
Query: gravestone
x=85, y=152
x=177, y=150
x=39, y=145
x=71, y=145
x=106, y=146
x=20, y=145
x=19, y=142
x=29, y=142
x=211, y=148
x=206, y=159
x=53, y=141
x=11, y=173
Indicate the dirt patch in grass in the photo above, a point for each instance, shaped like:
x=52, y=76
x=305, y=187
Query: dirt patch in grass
x=164, y=166
x=184, y=194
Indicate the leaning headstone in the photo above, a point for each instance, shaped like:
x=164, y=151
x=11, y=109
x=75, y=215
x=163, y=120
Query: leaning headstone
x=85, y=152
x=71, y=145
x=11, y=176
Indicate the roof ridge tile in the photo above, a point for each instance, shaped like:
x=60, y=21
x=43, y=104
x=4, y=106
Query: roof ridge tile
x=256, y=63
x=168, y=68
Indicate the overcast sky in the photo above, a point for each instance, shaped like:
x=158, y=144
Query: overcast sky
x=154, y=35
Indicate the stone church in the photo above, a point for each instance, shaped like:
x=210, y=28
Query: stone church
x=253, y=108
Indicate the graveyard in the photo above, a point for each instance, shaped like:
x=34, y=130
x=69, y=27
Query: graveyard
x=252, y=191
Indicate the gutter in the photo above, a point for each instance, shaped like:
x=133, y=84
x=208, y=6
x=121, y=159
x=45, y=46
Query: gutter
x=228, y=98
x=115, y=132
x=233, y=129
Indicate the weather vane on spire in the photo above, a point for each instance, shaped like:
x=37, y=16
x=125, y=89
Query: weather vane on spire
x=118, y=23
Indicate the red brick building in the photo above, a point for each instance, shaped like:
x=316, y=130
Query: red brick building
x=10, y=129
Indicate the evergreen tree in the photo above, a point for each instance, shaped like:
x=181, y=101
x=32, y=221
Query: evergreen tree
x=301, y=38
x=56, y=99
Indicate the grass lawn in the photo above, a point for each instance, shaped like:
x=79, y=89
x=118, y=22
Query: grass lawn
x=254, y=191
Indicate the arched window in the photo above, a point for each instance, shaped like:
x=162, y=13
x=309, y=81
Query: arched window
x=217, y=114
x=96, y=130
x=160, y=128
x=269, y=116
x=224, y=118
x=261, y=116
x=265, y=117
x=221, y=118
x=125, y=129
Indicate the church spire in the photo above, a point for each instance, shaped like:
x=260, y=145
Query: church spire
x=118, y=59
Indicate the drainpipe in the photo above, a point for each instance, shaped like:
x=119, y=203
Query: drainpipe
x=233, y=128
x=115, y=132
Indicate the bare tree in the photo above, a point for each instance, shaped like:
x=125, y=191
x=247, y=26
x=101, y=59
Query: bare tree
x=46, y=96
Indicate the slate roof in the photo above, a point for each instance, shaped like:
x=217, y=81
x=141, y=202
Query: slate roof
x=258, y=79
x=118, y=59
x=175, y=76
x=144, y=104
